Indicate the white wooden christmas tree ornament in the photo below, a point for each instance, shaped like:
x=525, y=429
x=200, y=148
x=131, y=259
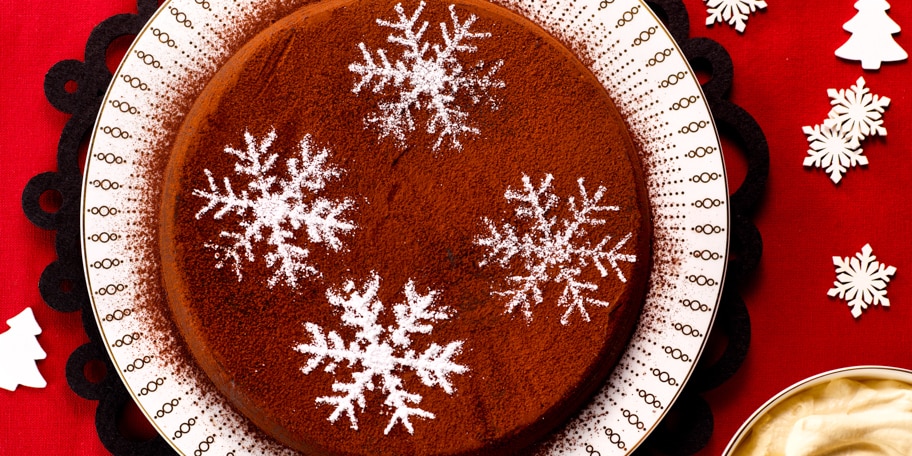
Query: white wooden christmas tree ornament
x=872, y=32
x=19, y=349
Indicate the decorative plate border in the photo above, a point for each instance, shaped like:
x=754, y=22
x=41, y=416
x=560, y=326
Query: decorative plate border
x=633, y=56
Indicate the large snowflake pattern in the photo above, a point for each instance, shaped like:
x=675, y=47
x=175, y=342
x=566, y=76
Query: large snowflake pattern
x=861, y=281
x=553, y=250
x=833, y=150
x=425, y=80
x=735, y=12
x=382, y=353
x=275, y=207
x=857, y=111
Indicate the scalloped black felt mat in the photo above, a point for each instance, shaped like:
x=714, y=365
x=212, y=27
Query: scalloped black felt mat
x=62, y=284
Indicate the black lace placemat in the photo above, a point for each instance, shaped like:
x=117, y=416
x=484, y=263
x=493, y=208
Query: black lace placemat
x=62, y=284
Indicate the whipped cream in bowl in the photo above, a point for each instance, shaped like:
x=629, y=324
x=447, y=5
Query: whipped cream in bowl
x=859, y=411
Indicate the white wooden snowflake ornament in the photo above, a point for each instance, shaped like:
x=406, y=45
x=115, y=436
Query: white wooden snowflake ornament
x=857, y=111
x=836, y=145
x=19, y=349
x=833, y=151
x=872, y=32
x=861, y=281
x=735, y=12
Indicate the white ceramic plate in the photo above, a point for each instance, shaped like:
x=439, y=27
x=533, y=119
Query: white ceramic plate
x=853, y=372
x=633, y=56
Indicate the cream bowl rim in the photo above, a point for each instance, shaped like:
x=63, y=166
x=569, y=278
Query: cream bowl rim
x=869, y=372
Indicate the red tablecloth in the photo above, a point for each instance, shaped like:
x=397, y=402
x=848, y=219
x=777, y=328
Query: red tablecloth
x=784, y=64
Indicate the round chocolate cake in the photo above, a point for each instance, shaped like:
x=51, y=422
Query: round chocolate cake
x=405, y=229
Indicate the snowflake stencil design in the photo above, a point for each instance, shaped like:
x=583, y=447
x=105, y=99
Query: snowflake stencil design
x=382, y=353
x=857, y=111
x=275, y=207
x=552, y=250
x=426, y=81
x=862, y=281
x=833, y=150
x=735, y=12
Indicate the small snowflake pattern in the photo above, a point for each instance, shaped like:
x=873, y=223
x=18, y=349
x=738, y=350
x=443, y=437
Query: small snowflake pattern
x=861, y=281
x=426, y=78
x=857, y=111
x=735, y=12
x=276, y=209
x=378, y=355
x=552, y=250
x=833, y=150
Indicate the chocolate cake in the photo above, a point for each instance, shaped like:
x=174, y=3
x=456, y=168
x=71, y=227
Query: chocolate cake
x=405, y=229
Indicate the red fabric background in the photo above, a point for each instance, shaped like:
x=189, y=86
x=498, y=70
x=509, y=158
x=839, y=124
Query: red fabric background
x=784, y=64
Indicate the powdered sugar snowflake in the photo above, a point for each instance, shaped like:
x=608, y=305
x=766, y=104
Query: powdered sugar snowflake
x=381, y=352
x=862, y=281
x=857, y=111
x=551, y=250
x=735, y=12
x=833, y=150
x=426, y=82
x=275, y=207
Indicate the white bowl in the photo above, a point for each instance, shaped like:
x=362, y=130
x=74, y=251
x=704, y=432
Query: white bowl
x=854, y=372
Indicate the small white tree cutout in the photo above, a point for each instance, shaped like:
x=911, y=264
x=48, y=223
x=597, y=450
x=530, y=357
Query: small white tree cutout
x=872, y=36
x=19, y=349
